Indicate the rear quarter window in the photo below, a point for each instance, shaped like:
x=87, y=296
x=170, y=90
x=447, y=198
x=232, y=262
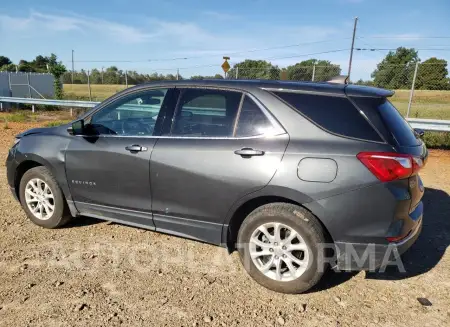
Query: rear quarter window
x=393, y=121
x=334, y=114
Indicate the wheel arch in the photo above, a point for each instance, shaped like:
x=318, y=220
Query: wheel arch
x=30, y=162
x=244, y=207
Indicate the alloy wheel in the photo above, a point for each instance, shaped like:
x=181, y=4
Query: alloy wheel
x=39, y=198
x=279, y=252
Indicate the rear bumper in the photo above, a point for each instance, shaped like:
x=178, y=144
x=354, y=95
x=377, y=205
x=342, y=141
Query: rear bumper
x=358, y=256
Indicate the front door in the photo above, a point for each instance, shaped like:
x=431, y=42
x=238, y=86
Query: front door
x=216, y=152
x=108, y=170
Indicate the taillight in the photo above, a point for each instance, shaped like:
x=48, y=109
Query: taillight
x=388, y=166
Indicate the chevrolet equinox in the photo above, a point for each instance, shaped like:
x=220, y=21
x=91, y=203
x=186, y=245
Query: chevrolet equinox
x=272, y=169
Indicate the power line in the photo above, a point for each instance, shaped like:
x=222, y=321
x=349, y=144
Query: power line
x=404, y=37
x=205, y=56
x=271, y=58
x=306, y=54
x=393, y=49
x=371, y=46
x=274, y=58
x=286, y=46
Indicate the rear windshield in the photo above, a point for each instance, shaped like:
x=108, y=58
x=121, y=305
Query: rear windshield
x=400, y=130
x=335, y=114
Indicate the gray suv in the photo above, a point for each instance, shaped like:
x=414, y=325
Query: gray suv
x=272, y=169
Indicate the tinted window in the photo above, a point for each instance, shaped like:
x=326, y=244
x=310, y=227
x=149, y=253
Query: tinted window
x=335, y=114
x=207, y=113
x=252, y=121
x=393, y=120
x=132, y=115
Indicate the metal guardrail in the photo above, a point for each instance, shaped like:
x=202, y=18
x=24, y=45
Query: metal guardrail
x=430, y=124
x=425, y=124
x=51, y=102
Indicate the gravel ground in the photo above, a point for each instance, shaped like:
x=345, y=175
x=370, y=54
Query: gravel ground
x=95, y=273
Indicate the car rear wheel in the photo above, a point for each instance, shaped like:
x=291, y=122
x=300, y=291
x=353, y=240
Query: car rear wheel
x=42, y=199
x=280, y=246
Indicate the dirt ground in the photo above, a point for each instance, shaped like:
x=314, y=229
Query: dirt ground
x=95, y=273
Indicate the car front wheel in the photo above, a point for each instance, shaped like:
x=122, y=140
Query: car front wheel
x=280, y=247
x=42, y=199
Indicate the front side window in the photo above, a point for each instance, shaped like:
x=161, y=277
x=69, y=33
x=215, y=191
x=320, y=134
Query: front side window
x=132, y=115
x=206, y=113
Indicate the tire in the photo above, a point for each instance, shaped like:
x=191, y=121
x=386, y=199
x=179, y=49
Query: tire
x=60, y=214
x=285, y=216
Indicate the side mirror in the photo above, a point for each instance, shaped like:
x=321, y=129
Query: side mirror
x=77, y=128
x=419, y=132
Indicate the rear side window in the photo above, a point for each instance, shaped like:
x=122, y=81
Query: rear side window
x=393, y=121
x=206, y=113
x=335, y=114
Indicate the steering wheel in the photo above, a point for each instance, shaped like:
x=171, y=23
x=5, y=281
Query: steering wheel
x=135, y=127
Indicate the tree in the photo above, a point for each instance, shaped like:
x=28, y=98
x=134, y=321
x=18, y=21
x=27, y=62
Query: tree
x=254, y=69
x=170, y=77
x=25, y=66
x=324, y=70
x=197, y=77
x=432, y=75
x=40, y=64
x=4, y=61
x=396, y=69
x=111, y=75
x=95, y=77
x=363, y=82
x=8, y=68
x=57, y=69
x=200, y=77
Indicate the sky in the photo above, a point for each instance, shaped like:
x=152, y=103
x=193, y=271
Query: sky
x=149, y=36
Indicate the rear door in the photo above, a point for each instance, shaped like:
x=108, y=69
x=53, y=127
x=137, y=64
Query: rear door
x=407, y=142
x=396, y=130
x=216, y=150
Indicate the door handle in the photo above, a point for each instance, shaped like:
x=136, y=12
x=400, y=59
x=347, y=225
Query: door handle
x=135, y=148
x=249, y=152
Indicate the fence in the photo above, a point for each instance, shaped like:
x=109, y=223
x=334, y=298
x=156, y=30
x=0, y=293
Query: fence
x=422, y=90
x=27, y=85
x=425, y=124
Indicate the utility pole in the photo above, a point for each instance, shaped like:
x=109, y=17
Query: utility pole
x=411, y=94
x=351, y=50
x=314, y=71
x=102, y=75
x=73, y=69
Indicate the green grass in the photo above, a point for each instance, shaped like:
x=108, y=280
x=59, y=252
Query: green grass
x=99, y=92
x=437, y=140
x=426, y=103
x=19, y=117
x=56, y=123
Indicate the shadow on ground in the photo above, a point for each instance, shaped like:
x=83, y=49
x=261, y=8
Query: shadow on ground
x=419, y=259
x=432, y=242
x=83, y=221
x=423, y=255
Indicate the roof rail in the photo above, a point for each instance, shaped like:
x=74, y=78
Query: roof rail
x=340, y=79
